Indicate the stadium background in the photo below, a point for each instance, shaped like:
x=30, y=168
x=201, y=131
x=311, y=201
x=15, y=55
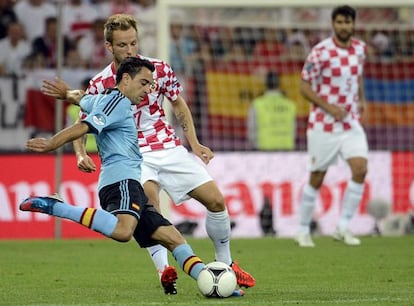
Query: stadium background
x=222, y=72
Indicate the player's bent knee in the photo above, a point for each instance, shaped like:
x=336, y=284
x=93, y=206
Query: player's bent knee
x=359, y=173
x=125, y=228
x=172, y=244
x=123, y=233
x=216, y=204
x=216, y=207
x=168, y=236
x=122, y=236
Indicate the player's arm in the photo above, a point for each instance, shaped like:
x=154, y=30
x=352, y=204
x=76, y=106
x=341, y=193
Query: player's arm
x=184, y=117
x=361, y=96
x=58, y=89
x=307, y=91
x=83, y=160
x=59, y=139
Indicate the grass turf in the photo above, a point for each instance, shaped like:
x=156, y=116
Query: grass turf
x=104, y=272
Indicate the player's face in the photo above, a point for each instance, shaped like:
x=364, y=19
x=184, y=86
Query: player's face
x=124, y=44
x=344, y=29
x=138, y=87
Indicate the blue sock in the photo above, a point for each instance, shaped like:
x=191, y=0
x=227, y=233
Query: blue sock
x=188, y=261
x=96, y=219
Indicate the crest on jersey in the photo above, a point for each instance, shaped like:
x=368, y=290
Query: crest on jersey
x=154, y=86
x=99, y=119
x=308, y=66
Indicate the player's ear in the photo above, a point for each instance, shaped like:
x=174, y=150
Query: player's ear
x=126, y=78
x=109, y=47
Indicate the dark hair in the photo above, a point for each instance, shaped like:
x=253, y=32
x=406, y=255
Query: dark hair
x=344, y=10
x=132, y=66
x=272, y=80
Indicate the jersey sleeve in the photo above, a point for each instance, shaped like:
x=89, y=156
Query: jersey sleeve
x=313, y=64
x=170, y=87
x=86, y=103
x=94, y=87
x=104, y=111
x=101, y=81
x=91, y=90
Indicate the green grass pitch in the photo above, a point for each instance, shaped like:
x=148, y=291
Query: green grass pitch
x=104, y=272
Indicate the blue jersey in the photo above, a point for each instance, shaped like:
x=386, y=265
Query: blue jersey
x=110, y=117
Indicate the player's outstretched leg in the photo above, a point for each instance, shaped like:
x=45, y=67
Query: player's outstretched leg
x=244, y=279
x=98, y=220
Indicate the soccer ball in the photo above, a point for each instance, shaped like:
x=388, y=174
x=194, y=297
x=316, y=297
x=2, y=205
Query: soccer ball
x=217, y=279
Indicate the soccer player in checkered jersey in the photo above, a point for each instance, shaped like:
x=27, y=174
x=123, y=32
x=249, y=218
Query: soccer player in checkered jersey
x=332, y=82
x=167, y=164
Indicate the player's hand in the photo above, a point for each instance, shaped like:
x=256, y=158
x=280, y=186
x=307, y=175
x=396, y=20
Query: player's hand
x=203, y=152
x=86, y=164
x=337, y=112
x=74, y=96
x=56, y=88
x=362, y=110
x=38, y=145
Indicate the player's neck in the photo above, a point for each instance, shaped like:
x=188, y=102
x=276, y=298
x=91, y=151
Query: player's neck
x=341, y=43
x=114, y=66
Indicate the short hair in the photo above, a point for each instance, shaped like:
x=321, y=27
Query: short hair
x=122, y=22
x=272, y=80
x=132, y=66
x=344, y=10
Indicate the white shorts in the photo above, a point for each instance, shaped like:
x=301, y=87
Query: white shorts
x=176, y=171
x=324, y=148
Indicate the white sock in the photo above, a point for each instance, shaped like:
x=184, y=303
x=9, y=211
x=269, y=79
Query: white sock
x=218, y=229
x=350, y=203
x=159, y=256
x=307, y=205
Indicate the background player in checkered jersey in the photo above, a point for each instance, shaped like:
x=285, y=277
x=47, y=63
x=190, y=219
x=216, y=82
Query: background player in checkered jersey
x=332, y=82
x=167, y=164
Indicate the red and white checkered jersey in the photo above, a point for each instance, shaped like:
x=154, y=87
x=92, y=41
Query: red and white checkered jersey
x=333, y=73
x=154, y=131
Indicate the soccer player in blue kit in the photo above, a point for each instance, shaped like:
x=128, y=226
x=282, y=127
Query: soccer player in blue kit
x=125, y=207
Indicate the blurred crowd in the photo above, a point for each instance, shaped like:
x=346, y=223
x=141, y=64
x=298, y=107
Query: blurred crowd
x=28, y=30
x=28, y=34
x=193, y=44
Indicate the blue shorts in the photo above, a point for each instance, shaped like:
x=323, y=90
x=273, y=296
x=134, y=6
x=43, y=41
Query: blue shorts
x=124, y=197
x=128, y=197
